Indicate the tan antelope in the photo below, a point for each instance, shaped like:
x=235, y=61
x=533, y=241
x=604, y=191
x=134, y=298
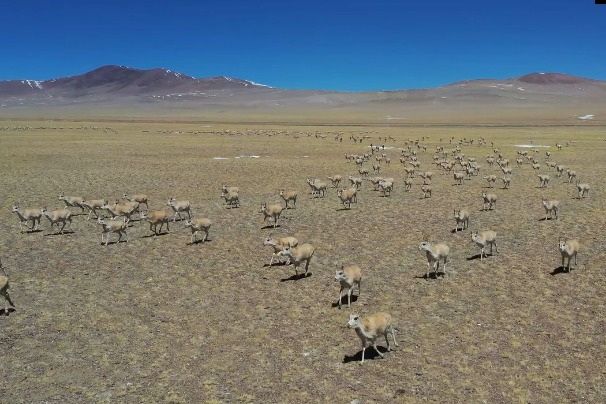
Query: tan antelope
x=568, y=249
x=483, y=238
x=4, y=285
x=370, y=328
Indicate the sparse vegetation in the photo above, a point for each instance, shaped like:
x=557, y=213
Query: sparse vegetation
x=156, y=320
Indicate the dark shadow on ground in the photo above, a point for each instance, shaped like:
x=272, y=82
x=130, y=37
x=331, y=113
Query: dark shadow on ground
x=370, y=354
x=354, y=299
x=296, y=277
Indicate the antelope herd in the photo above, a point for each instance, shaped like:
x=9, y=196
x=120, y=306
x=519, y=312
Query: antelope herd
x=369, y=328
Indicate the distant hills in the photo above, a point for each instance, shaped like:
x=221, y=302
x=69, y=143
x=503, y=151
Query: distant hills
x=116, y=81
x=126, y=86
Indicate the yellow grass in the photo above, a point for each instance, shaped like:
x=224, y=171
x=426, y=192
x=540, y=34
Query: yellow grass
x=158, y=320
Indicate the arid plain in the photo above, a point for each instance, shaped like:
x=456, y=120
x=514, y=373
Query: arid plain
x=158, y=320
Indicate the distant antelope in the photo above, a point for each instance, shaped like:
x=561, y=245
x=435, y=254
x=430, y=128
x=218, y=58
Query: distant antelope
x=426, y=191
x=583, y=189
x=490, y=200
x=491, y=180
x=551, y=208
x=543, y=180
x=458, y=177
x=462, y=217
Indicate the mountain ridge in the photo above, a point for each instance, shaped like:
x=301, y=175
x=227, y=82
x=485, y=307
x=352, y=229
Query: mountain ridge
x=132, y=86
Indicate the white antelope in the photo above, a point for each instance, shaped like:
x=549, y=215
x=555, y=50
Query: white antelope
x=112, y=226
x=490, y=200
x=196, y=225
x=278, y=244
x=63, y=216
x=363, y=171
x=355, y=181
x=434, y=254
x=458, y=177
x=227, y=189
x=4, y=285
x=178, y=207
x=551, y=208
x=483, y=238
x=370, y=328
x=506, y=182
x=25, y=215
x=490, y=179
x=335, y=180
x=407, y=184
x=274, y=211
x=427, y=175
x=426, y=189
x=543, y=180
x=568, y=249
x=386, y=186
x=348, y=277
x=583, y=189
x=318, y=187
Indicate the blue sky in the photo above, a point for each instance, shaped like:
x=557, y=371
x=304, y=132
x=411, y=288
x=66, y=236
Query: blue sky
x=334, y=45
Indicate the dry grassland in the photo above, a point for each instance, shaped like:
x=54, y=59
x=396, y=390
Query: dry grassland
x=158, y=320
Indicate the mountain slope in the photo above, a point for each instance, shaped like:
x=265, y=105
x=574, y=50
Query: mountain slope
x=129, y=86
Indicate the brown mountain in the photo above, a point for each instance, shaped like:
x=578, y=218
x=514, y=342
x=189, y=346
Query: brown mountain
x=553, y=78
x=124, y=87
x=119, y=81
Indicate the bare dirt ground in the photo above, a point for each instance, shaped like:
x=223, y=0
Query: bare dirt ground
x=158, y=320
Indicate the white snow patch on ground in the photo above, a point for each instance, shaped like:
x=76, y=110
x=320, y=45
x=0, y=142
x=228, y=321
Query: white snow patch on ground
x=245, y=156
x=586, y=117
x=392, y=117
x=220, y=158
x=530, y=145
